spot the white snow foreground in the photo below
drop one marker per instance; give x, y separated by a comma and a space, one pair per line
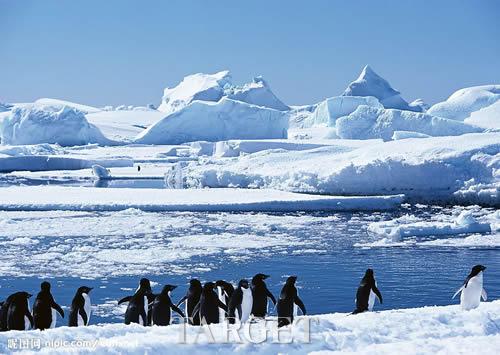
410, 226
372, 122
45, 198
478, 105
216, 121
34, 124
427, 330
430, 169
213, 87
370, 83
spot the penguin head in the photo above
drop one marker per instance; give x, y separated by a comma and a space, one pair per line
84, 289
167, 289
477, 269
291, 280
243, 283
145, 284
369, 273
220, 283
45, 286
22, 295
259, 278
209, 286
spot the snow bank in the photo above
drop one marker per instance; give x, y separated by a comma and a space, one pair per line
327, 112
464, 102
56, 105
100, 172
487, 117
236, 148
210, 121
409, 226
370, 83
410, 331
43, 198
369, 122
205, 87
35, 124
256, 93
431, 170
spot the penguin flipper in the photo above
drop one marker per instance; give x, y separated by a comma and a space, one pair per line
125, 299
458, 291
30, 318
484, 295
182, 300
299, 303
270, 295
178, 310
81, 312
377, 293
58, 309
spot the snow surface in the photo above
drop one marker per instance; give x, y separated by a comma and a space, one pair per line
256, 93
327, 112
407, 134
209, 121
57, 105
439, 330
429, 169
370, 83
370, 122
44, 198
34, 124
464, 102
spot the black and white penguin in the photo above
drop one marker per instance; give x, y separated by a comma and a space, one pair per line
79, 314
224, 291
45, 308
19, 315
161, 306
137, 309
241, 303
260, 294
192, 298
289, 298
4, 308
208, 307
472, 290
367, 292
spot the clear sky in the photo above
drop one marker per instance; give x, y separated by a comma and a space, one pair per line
102, 52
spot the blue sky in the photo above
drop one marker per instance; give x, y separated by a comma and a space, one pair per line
126, 52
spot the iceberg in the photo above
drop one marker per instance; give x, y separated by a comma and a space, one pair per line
328, 111
257, 93
370, 122
370, 83
465, 103
216, 121
57, 104
35, 124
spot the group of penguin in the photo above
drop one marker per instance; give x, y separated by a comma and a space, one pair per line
211, 303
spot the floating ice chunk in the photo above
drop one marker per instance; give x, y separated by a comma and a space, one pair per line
100, 172
369, 122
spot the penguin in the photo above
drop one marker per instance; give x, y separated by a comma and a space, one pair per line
79, 315
207, 309
137, 309
225, 291
45, 308
192, 298
240, 305
4, 307
18, 314
160, 307
288, 297
260, 295
367, 292
472, 290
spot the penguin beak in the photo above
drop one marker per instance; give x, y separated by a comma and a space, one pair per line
173, 287
266, 276
483, 268
29, 295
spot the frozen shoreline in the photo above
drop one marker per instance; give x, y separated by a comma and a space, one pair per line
446, 329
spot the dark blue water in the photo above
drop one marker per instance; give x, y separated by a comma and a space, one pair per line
412, 276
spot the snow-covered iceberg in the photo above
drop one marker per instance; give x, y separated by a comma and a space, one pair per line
216, 121
56, 104
371, 122
35, 124
204, 87
426, 330
478, 104
213, 87
370, 83
328, 111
